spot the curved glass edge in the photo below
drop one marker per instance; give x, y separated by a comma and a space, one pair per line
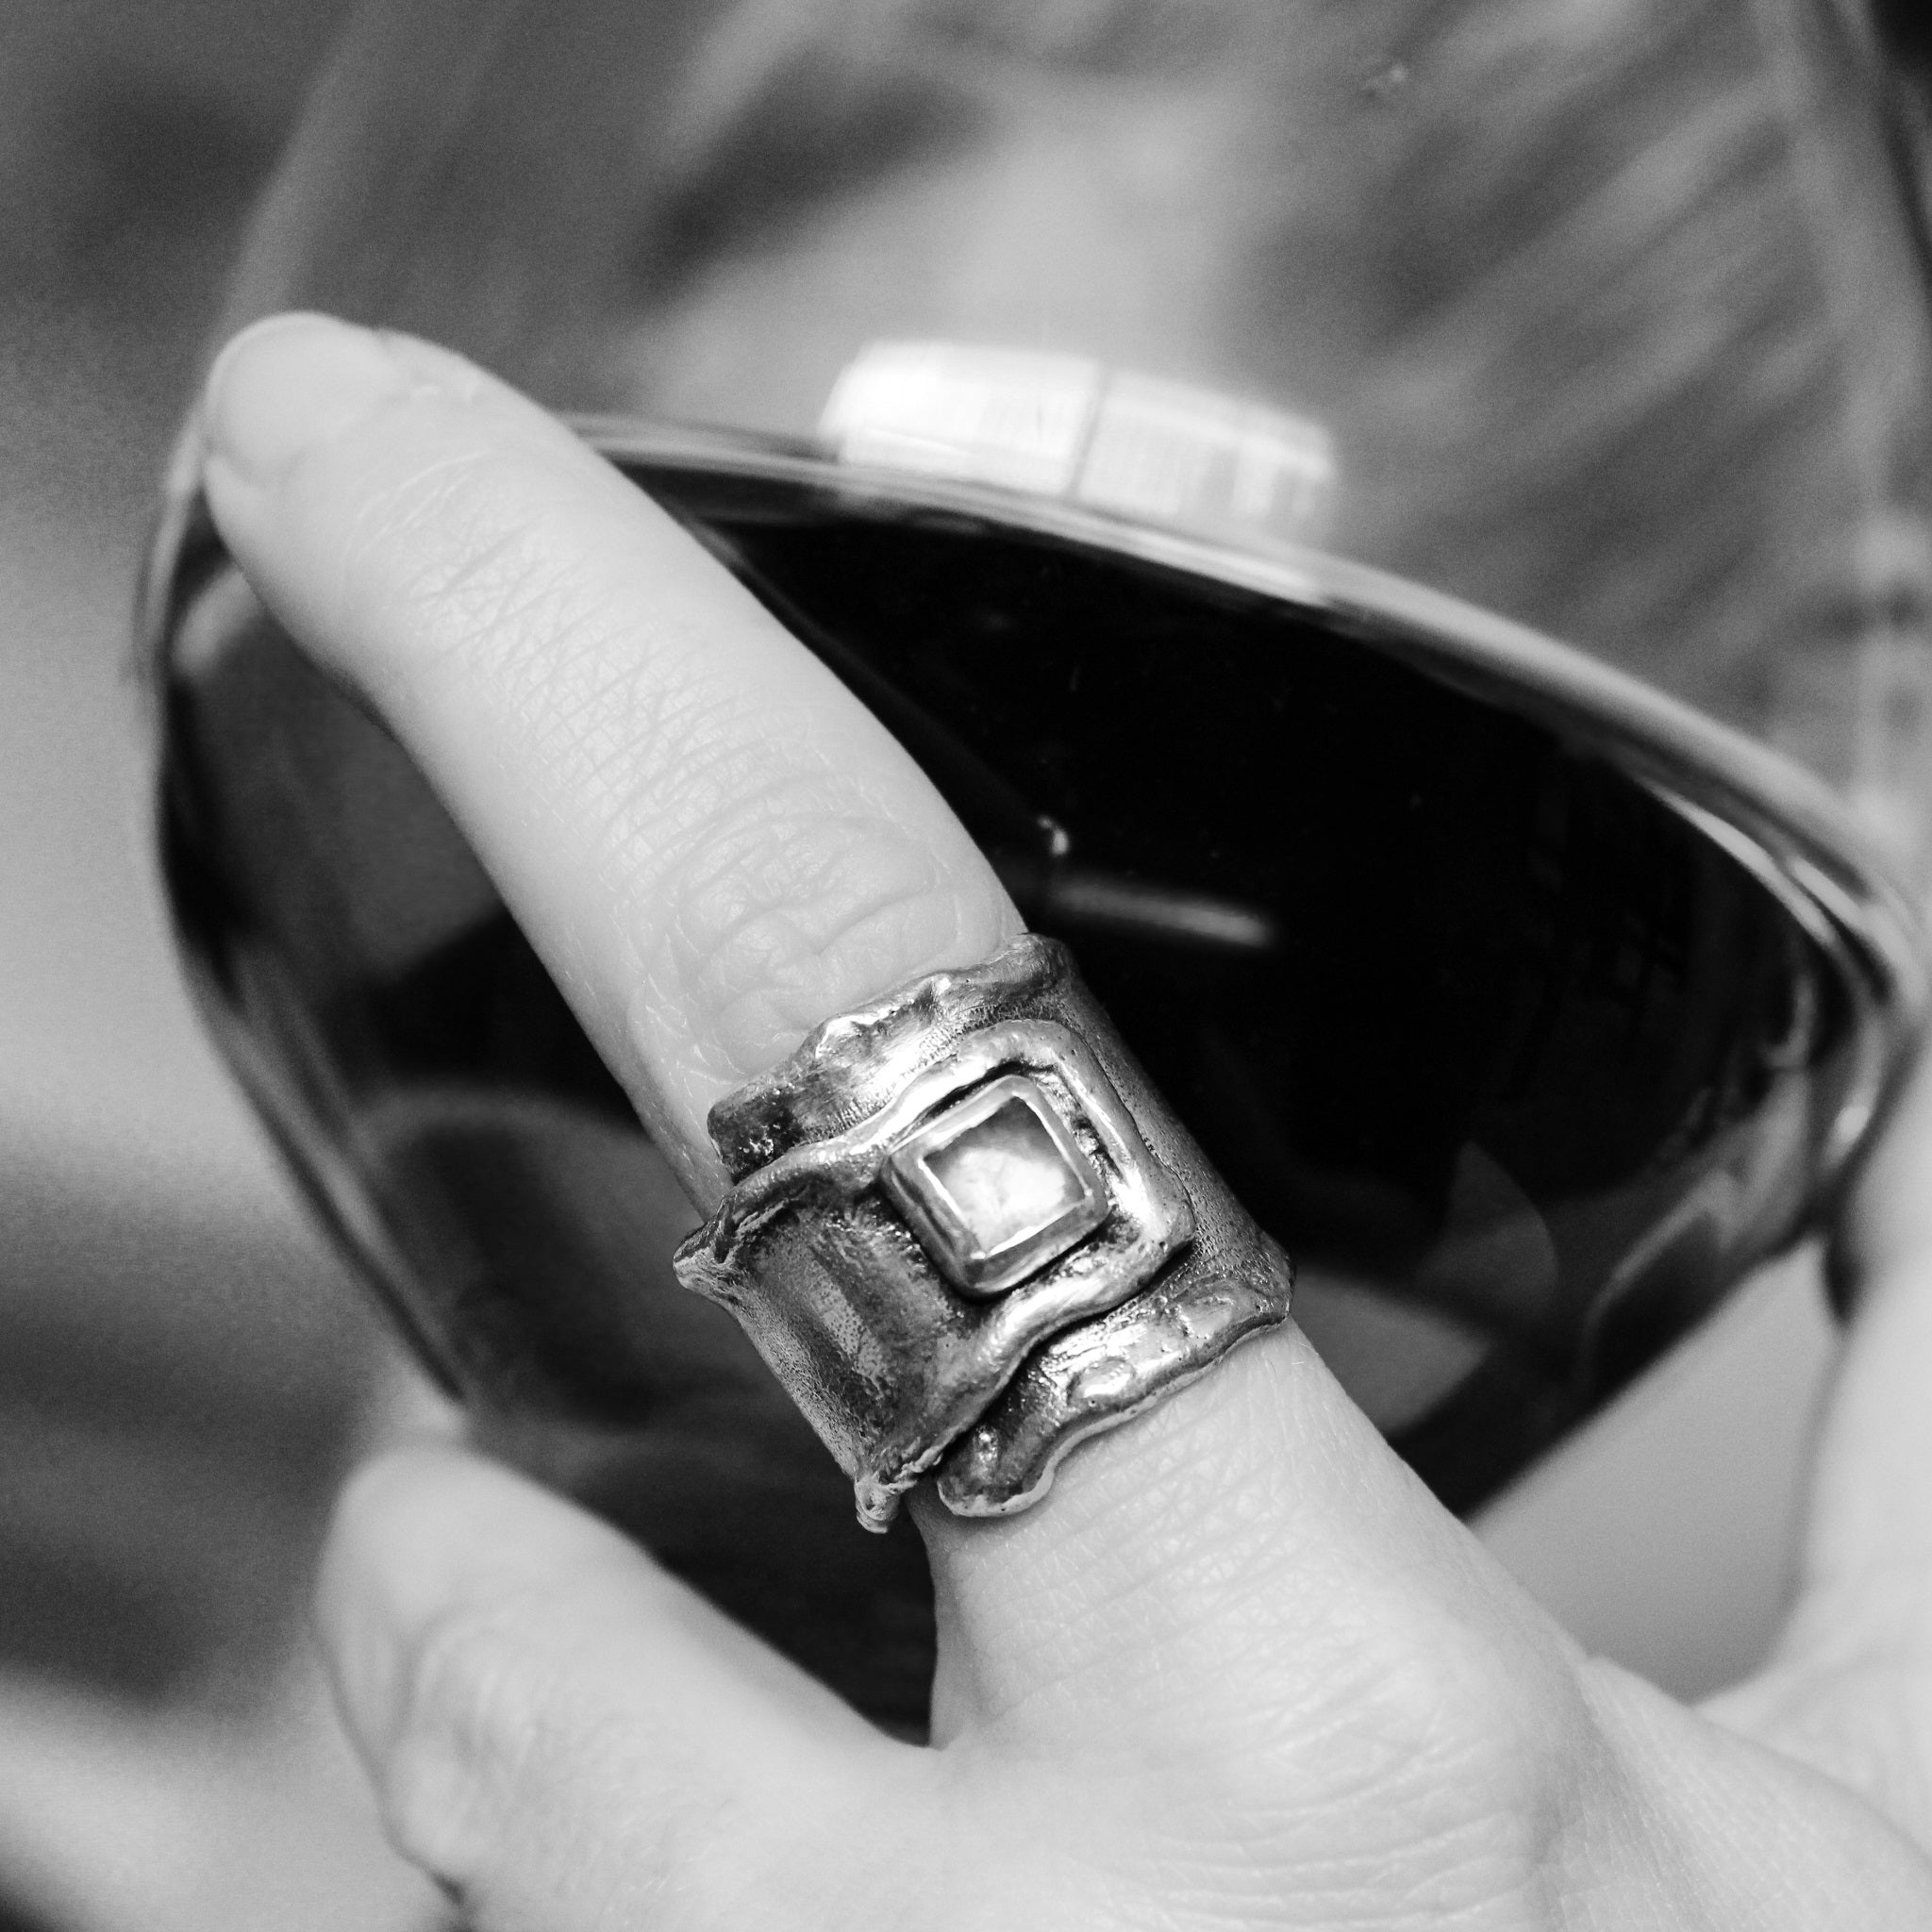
1668, 740
1508, 661
1784, 825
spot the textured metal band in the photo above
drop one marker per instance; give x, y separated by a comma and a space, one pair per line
966, 1233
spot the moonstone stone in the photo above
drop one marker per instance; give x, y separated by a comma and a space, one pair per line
1006, 1178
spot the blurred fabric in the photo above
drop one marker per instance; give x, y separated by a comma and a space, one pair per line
162, 1308
182, 1370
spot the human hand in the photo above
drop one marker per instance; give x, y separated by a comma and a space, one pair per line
1241, 1670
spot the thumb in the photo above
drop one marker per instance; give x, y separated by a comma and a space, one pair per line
548, 1719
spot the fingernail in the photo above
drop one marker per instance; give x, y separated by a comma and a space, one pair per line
290, 383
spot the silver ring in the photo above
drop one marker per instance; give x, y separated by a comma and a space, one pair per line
966, 1233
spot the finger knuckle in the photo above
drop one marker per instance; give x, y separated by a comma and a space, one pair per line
799, 903
471, 1712
1443, 1741
515, 1773
1448, 1694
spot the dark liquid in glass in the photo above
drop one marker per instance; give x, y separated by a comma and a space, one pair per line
1522, 1067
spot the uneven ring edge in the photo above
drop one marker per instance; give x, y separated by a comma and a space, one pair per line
854, 1283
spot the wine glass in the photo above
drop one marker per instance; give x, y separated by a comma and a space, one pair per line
1187, 425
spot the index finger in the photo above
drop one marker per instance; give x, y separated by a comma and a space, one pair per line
715, 847
712, 845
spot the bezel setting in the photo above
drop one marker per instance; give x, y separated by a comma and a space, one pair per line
962, 1250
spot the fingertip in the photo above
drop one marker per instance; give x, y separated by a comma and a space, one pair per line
289, 382
695, 822
430, 1543
545, 1716
297, 387
408, 1531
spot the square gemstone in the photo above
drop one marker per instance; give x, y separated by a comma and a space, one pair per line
996, 1186
1005, 1177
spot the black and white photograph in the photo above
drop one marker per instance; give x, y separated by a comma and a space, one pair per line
965, 966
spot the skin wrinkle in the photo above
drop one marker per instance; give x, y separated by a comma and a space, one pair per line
665, 666
1165, 1702
813, 875
644, 780
468, 1729
762, 945
653, 806
1460, 1870
598, 769
774, 832
1429, 1809
783, 908
432, 537
1410, 1751
386, 516
1137, 1578
1215, 1505
599, 709
503, 591
583, 707
640, 844
551, 681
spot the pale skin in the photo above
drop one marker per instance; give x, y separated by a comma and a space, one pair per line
1241, 1670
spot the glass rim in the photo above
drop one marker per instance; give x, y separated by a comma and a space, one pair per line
1783, 825
1697, 761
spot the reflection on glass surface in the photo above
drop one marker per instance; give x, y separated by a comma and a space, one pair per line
1611, 322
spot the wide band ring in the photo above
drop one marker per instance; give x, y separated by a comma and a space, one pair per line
965, 1233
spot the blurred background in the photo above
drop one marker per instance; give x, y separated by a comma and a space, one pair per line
184, 1371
